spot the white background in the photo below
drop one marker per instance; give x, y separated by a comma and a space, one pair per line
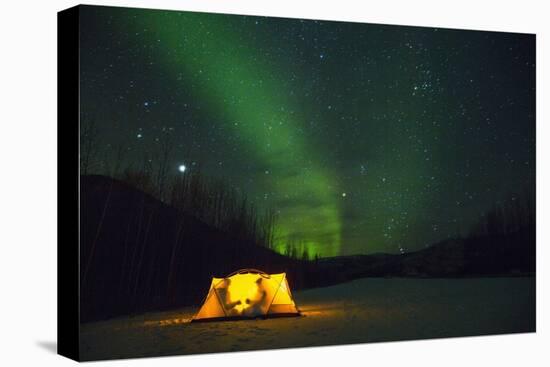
28, 167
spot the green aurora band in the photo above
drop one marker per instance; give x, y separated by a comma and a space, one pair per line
238, 86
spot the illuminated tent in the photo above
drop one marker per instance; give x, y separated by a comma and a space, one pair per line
247, 294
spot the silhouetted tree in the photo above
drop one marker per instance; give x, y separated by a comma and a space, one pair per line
305, 254
514, 214
88, 144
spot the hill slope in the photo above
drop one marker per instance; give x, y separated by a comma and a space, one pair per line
139, 254
498, 255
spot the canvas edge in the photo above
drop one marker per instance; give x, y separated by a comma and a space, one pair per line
68, 315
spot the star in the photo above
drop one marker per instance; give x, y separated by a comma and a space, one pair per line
322, 127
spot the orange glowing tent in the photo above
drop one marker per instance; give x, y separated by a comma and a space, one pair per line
247, 294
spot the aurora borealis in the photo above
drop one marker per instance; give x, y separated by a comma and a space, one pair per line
363, 138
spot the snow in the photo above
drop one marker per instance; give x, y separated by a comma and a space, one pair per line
365, 310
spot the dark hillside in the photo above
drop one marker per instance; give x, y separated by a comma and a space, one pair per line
138, 253
511, 254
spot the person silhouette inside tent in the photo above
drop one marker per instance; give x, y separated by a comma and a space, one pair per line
255, 305
225, 298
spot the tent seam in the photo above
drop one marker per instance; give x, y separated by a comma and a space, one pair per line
273, 299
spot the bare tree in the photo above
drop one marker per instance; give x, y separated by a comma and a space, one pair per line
88, 144
117, 163
514, 214
162, 166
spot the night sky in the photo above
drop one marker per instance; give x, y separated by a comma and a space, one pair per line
363, 138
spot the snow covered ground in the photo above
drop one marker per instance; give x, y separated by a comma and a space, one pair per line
365, 310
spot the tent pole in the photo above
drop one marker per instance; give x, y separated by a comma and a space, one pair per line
219, 300
278, 287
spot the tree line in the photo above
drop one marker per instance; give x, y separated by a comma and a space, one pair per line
208, 199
